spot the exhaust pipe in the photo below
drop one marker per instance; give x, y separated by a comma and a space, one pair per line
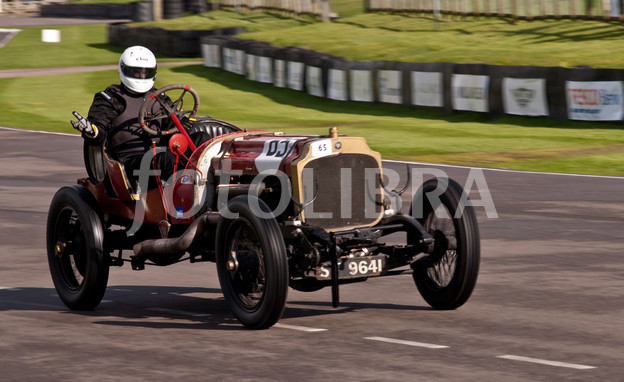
178, 244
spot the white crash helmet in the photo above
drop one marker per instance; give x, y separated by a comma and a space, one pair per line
137, 69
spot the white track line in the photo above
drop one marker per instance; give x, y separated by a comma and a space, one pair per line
546, 362
299, 328
40, 132
505, 170
403, 342
398, 161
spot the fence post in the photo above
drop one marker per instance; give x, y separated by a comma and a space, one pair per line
324, 11
543, 11
615, 8
158, 9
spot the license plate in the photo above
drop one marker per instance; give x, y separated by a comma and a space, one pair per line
353, 267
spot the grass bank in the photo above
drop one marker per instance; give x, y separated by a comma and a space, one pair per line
379, 37
397, 37
362, 37
83, 45
397, 132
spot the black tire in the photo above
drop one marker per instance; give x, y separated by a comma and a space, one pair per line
74, 241
172, 9
447, 276
255, 285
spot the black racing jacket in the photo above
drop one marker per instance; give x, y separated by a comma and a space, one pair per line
115, 112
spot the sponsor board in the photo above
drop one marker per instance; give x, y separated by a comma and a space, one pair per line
427, 89
470, 92
212, 55
314, 81
361, 85
337, 84
250, 62
234, 60
525, 96
594, 101
259, 68
279, 78
390, 86
265, 69
294, 75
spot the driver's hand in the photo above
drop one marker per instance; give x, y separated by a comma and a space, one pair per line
84, 126
187, 122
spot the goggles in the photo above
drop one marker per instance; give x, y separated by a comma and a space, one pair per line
138, 72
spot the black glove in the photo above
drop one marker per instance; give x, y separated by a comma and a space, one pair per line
187, 122
83, 125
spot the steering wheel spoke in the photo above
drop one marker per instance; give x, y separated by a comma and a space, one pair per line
155, 117
166, 108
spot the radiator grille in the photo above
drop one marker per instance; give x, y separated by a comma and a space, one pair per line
342, 191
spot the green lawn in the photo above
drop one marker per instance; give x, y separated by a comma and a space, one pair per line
397, 132
398, 37
85, 45
255, 21
363, 37
379, 37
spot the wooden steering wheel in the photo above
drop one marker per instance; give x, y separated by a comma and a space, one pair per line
149, 111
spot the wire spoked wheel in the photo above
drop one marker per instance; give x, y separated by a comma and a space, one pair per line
252, 264
75, 249
248, 276
442, 261
447, 276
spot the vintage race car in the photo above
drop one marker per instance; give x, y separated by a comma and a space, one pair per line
272, 210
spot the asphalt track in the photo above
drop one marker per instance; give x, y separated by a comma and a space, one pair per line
548, 306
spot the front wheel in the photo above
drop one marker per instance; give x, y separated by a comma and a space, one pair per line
447, 276
76, 257
252, 263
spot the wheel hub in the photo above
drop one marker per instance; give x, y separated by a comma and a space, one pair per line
232, 263
59, 249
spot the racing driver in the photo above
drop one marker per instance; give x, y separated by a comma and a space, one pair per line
113, 115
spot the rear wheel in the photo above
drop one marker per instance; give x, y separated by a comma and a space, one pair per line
447, 276
76, 257
252, 264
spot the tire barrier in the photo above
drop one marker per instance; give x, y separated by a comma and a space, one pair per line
142, 11
259, 62
89, 11
174, 43
135, 11
172, 9
197, 6
492, 90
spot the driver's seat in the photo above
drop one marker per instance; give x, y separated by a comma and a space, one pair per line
101, 169
94, 162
